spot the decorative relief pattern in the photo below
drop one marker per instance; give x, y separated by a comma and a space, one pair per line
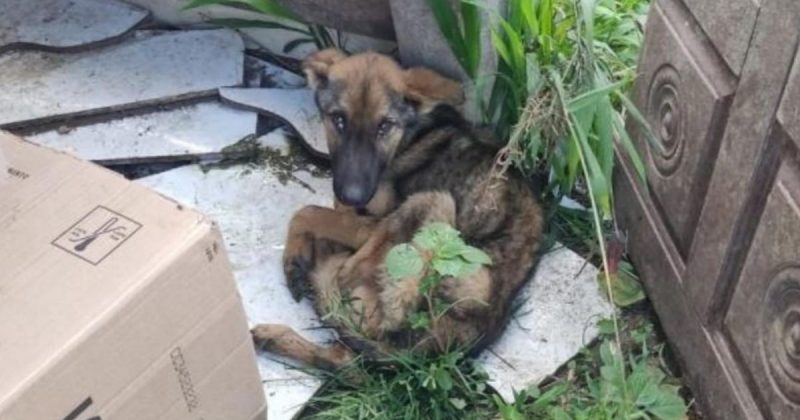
665, 114
780, 332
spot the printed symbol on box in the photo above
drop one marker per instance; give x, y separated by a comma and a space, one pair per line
97, 234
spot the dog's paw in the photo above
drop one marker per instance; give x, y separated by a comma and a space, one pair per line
298, 270
263, 337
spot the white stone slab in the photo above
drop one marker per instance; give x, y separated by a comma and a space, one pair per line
295, 106
253, 209
59, 24
560, 308
560, 305
200, 131
152, 68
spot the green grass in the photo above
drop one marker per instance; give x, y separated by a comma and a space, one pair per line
410, 387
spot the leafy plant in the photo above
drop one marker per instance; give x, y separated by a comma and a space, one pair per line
310, 33
436, 252
603, 384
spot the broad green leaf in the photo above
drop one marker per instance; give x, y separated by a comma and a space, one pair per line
669, 405
558, 413
455, 268
403, 262
443, 379
458, 403
435, 235
475, 255
627, 289
605, 327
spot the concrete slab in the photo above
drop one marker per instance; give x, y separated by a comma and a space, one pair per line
152, 68
64, 24
559, 310
197, 131
294, 106
253, 204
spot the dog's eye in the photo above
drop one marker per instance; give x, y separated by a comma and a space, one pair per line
338, 121
384, 127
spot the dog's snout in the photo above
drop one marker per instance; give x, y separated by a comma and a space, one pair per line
354, 195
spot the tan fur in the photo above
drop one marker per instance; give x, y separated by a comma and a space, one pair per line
434, 169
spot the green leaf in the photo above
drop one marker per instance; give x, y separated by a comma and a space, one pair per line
669, 405
455, 268
434, 236
475, 255
419, 321
605, 327
403, 262
443, 379
558, 413
458, 403
626, 288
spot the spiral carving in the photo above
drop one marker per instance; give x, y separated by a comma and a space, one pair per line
780, 333
666, 115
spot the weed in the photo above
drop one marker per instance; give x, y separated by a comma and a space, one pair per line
436, 252
602, 384
406, 387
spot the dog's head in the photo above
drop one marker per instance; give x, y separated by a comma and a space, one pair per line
368, 105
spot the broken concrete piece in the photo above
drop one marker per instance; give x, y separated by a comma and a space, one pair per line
197, 131
153, 68
295, 106
64, 24
559, 310
253, 205
262, 74
173, 12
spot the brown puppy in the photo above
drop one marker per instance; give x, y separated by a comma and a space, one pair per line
402, 157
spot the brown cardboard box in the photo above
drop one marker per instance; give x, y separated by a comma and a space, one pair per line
115, 302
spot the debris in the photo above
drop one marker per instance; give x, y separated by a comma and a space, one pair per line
294, 106
153, 68
193, 132
64, 24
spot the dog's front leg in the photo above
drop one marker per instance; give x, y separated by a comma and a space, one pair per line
313, 223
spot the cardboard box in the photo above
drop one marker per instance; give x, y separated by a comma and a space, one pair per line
115, 302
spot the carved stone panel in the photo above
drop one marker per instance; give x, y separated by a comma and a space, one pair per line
685, 99
729, 24
763, 320
789, 110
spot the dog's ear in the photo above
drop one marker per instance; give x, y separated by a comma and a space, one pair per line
426, 88
317, 65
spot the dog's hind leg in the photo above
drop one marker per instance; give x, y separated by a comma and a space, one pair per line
284, 341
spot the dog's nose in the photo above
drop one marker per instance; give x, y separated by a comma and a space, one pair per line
354, 195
